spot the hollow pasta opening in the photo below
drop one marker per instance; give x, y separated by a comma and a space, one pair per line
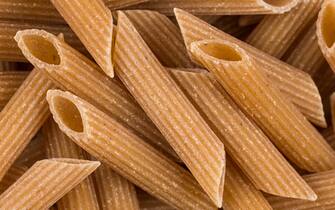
42, 49
221, 51
68, 113
328, 25
278, 3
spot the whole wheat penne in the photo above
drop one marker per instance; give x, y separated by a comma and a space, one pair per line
114, 192
22, 117
79, 75
297, 85
113, 144
244, 141
148, 202
162, 36
220, 7
117, 4
275, 33
10, 81
287, 128
46, 182
171, 111
247, 20
8, 47
239, 192
92, 21
57, 145
322, 183
325, 31
13, 174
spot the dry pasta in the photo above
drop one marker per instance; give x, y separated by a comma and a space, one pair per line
92, 21
110, 142
76, 73
287, 128
46, 182
57, 145
297, 86
170, 110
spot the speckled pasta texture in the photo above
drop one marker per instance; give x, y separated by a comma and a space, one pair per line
107, 140
170, 110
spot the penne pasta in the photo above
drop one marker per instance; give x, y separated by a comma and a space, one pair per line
13, 174
220, 7
117, 4
170, 110
276, 33
92, 21
22, 117
287, 128
325, 32
247, 20
296, 85
322, 183
46, 182
8, 47
76, 73
107, 140
10, 81
162, 36
239, 192
244, 141
57, 145
147, 202
114, 192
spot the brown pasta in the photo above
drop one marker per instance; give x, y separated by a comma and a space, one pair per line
22, 117
10, 81
220, 7
244, 141
114, 192
92, 21
162, 36
13, 174
276, 33
325, 32
244, 81
296, 85
322, 183
58, 145
46, 182
170, 110
76, 73
110, 142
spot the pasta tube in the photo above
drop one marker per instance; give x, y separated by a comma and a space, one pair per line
92, 21
46, 182
166, 105
244, 141
107, 140
276, 33
76, 73
114, 191
58, 145
22, 117
220, 7
296, 85
287, 128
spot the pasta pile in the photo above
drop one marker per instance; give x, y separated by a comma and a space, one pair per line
167, 104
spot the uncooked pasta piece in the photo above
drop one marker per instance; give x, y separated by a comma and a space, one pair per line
76, 73
107, 140
13, 174
244, 141
295, 84
10, 81
46, 182
22, 117
220, 7
114, 192
247, 84
170, 110
58, 145
322, 183
276, 33
92, 22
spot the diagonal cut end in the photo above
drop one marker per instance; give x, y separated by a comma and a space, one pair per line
279, 6
326, 24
